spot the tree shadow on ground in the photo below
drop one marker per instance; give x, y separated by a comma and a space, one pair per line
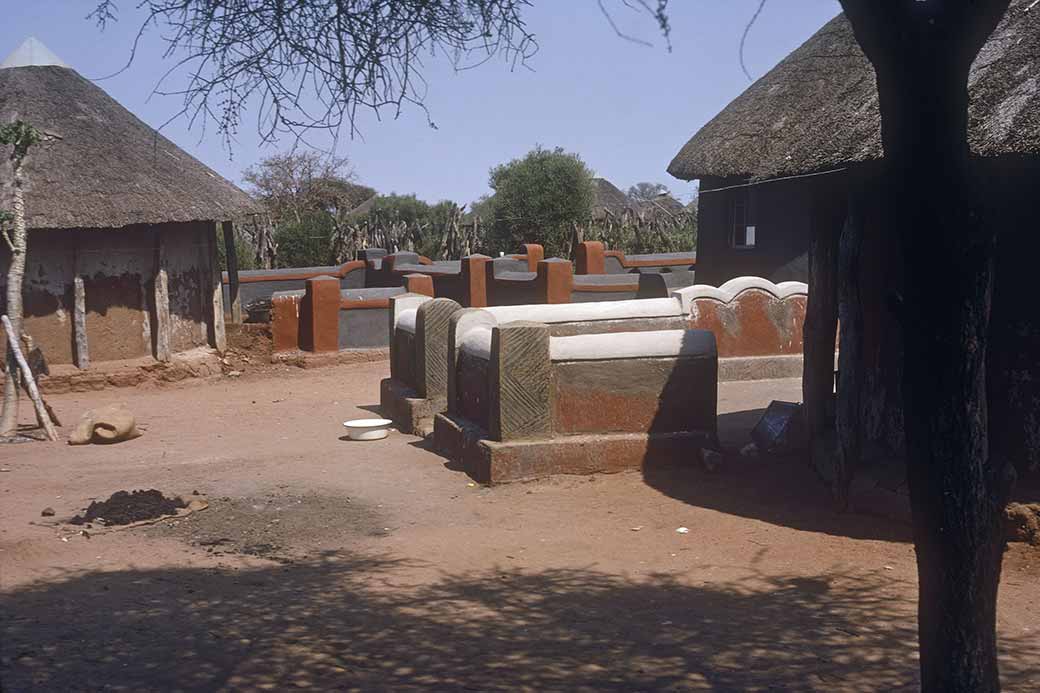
363, 622
779, 490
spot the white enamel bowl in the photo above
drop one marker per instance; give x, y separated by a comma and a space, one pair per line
368, 429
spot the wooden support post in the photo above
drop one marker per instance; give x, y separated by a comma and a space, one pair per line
42, 415
79, 310
161, 299
216, 294
821, 326
231, 254
848, 412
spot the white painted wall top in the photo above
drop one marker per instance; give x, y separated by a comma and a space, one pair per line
633, 345
582, 312
32, 53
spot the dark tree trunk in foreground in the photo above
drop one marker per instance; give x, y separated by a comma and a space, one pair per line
922, 53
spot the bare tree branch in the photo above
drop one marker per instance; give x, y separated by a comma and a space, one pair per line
315, 65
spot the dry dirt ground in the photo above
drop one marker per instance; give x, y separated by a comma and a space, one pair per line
327, 564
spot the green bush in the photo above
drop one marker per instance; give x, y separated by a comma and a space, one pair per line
307, 243
538, 199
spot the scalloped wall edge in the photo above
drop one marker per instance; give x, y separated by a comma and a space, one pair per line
734, 287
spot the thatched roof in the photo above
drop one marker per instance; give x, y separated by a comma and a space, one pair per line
818, 109
608, 199
108, 169
662, 204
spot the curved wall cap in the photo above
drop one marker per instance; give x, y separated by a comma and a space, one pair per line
734, 287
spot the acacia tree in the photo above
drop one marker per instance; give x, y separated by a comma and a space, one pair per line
645, 192
308, 196
364, 54
20, 136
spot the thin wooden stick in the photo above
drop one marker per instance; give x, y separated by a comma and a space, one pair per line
34, 394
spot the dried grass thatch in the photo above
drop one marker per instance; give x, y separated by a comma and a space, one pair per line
102, 167
608, 200
818, 108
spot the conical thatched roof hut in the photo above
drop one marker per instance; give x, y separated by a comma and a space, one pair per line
121, 222
818, 108
102, 167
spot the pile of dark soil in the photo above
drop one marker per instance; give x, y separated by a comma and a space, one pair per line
125, 507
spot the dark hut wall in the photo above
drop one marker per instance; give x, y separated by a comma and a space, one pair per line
1013, 367
118, 268
781, 213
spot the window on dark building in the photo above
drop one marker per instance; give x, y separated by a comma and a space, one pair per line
742, 219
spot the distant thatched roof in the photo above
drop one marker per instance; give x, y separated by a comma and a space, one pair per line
108, 169
818, 108
663, 204
608, 199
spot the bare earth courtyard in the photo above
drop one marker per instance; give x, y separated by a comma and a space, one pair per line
327, 564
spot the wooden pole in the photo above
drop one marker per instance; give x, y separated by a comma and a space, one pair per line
821, 325
42, 416
216, 291
162, 301
79, 309
850, 354
230, 252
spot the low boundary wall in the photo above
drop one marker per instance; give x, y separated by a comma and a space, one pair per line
591, 257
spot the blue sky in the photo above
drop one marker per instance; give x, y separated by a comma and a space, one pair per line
624, 107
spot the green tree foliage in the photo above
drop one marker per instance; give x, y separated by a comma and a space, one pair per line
644, 192
309, 198
244, 251
307, 242
538, 199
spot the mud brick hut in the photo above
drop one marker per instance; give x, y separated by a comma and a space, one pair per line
122, 259
778, 168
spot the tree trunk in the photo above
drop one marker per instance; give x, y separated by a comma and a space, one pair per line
957, 492
15, 275
922, 55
